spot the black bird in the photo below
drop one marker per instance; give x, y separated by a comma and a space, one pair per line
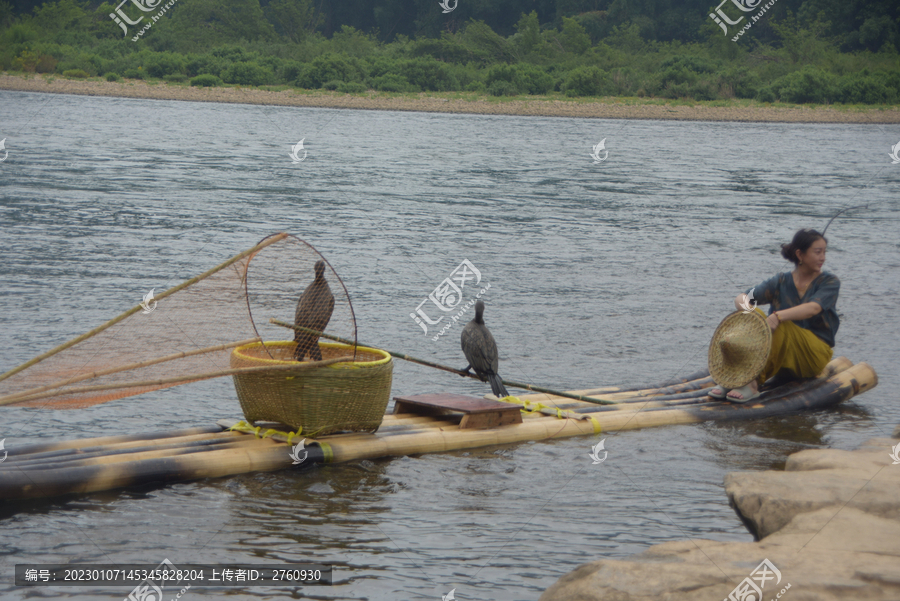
480, 349
314, 311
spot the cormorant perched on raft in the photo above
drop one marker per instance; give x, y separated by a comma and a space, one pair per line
480, 349
314, 312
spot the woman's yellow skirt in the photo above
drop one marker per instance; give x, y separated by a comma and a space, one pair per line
796, 350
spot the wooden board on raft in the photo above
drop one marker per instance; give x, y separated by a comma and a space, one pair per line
96, 464
477, 414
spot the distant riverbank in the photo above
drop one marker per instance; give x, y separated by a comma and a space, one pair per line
461, 102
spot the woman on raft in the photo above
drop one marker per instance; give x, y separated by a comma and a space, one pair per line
802, 316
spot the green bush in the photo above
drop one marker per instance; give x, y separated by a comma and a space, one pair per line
175, 77
809, 85
429, 74
160, 64
290, 71
445, 49
766, 94
111, 77
330, 67
867, 90
247, 74
34, 62
686, 77
331, 85
587, 81
351, 87
625, 82
527, 79
743, 83
79, 73
133, 74
691, 63
234, 54
502, 88
206, 80
393, 83
205, 63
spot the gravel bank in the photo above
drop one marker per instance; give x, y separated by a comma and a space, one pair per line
451, 103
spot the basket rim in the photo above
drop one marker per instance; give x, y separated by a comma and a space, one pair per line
386, 357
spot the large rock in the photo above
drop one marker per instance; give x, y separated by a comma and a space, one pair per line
813, 479
823, 555
830, 525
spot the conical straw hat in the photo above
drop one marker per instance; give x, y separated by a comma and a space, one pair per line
739, 349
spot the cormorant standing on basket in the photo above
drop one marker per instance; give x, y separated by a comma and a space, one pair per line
480, 349
313, 311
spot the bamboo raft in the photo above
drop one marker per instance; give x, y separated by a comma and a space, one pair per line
98, 464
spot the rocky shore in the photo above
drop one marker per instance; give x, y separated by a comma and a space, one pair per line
829, 526
452, 102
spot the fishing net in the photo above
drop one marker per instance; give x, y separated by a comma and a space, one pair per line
188, 333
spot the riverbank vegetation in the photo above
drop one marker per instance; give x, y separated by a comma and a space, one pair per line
798, 52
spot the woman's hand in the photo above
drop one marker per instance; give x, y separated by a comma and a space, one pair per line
741, 302
773, 321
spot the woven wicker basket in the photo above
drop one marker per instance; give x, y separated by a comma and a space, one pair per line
348, 396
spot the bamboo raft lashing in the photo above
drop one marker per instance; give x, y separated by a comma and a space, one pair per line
91, 465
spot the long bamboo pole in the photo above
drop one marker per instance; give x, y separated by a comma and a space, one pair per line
18, 458
185, 379
126, 454
266, 455
406, 357
266, 242
77, 443
10, 398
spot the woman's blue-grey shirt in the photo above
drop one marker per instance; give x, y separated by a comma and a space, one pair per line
780, 292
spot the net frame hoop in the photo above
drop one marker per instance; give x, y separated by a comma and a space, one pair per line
281, 236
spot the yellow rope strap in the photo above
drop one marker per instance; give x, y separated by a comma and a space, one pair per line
243, 426
560, 414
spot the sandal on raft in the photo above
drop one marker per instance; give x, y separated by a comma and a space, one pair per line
718, 395
744, 391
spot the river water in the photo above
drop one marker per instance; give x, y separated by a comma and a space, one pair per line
601, 273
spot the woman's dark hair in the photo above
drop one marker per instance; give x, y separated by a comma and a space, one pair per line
803, 239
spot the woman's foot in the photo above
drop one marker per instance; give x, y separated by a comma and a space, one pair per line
744, 393
718, 392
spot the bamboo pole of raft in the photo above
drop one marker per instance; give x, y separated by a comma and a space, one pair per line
696, 400
115, 458
265, 455
836, 365
77, 443
406, 357
38, 459
266, 242
183, 379
10, 398
788, 390
628, 396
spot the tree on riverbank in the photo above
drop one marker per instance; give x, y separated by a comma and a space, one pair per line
797, 51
